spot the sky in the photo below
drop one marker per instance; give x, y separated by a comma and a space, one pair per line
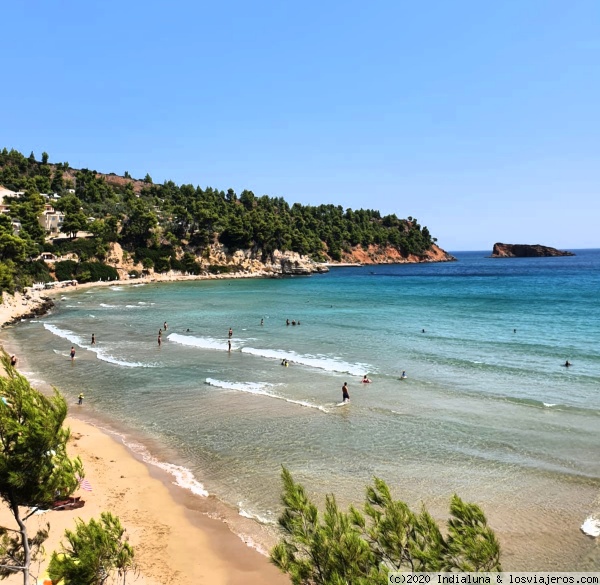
480, 119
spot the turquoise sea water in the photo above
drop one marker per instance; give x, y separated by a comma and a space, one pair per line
487, 411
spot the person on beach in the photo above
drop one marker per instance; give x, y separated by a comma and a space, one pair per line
80, 399
345, 395
230, 332
13, 361
93, 339
72, 353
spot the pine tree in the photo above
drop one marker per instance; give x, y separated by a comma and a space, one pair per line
93, 552
357, 548
34, 465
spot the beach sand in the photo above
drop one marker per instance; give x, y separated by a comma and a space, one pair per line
173, 541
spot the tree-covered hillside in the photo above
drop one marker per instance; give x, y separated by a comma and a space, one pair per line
170, 226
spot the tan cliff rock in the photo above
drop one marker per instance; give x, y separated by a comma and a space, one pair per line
278, 263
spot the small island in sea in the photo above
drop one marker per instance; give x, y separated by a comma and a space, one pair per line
525, 251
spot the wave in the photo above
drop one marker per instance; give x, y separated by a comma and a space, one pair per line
115, 288
184, 478
259, 389
253, 516
64, 333
321, 362
133, 307
101, 355
591, 526
107, 306
201, 342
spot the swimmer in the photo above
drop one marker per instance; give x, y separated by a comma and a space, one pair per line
422, 330
159, 337
262, 321
72, 353
287, 321
230, 332
345, 395
403, 376
366, 380
568, 364
93, 339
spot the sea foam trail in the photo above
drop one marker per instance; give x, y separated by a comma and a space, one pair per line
184, 478
64, 333
201, 342
259, 389
100, 353
321, 362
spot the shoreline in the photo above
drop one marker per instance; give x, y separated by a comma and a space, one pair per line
176, 541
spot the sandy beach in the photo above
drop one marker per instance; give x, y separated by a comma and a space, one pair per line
174, 543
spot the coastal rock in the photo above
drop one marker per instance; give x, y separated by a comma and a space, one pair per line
525, 251
390, 255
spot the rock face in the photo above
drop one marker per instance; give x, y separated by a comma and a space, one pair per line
525, 251
251, 262
391, 255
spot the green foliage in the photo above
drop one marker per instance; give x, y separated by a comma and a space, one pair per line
190, 218
93, 552
360, 548
84, 271
34, 464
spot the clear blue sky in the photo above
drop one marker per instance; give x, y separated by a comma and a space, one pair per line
479, 118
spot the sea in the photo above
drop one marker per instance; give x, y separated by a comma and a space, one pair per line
487, 409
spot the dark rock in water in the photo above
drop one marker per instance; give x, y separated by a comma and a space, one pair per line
525, 251
36, 311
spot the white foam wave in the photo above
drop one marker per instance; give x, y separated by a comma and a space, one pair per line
591, 526
64, 333
549, 404
107, 306
115, 288
259, 389
322, 362
92, 316
102, 355
133, 307
254, 516
184, 478
201, 342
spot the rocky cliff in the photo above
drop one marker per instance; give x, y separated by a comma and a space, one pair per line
248, 262
525, 251
390, 255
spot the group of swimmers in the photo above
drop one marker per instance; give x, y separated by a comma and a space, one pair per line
287, 322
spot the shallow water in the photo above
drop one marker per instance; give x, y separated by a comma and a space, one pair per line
486, 411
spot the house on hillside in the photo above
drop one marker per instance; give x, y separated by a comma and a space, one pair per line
52, 220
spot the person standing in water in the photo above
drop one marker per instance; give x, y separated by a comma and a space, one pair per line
159, 337
345, 395
165, 326
13, 361
229, 345
80, 400
230, 332
72, 353
93, 339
